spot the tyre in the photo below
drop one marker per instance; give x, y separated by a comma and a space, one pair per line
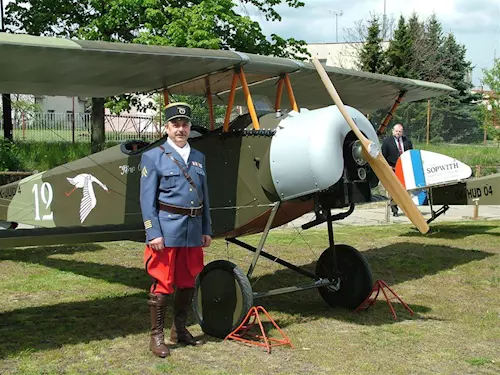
355, 277
223, 297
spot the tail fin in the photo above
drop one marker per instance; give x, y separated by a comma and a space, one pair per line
418, 170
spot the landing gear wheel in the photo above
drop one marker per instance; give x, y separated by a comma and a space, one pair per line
223, 296
355, 277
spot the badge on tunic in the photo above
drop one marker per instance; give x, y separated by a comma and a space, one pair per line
148, 224
144, 172
196, 164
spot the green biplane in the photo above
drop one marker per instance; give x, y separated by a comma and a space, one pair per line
266, 167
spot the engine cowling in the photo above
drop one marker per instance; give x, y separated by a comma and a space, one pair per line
306, 153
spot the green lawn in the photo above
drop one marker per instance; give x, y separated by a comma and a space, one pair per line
82, 309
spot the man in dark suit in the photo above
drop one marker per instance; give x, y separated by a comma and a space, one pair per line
393, 146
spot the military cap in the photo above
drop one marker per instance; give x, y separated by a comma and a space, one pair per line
176, 110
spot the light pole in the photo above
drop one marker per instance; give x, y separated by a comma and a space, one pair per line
384, 25
2, 29
337, 14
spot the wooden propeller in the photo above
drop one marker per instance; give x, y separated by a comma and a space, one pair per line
376, 160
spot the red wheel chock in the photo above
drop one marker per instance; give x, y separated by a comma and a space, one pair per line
243, 334
370, 300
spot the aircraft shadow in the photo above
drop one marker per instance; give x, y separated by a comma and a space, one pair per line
394, 264
129, 276
450, 231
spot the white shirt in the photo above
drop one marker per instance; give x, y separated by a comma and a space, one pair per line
183, 151
402, 144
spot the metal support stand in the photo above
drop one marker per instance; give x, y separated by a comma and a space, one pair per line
263, 238
370, 300
244, 332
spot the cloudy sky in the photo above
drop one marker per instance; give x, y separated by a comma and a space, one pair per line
475, 23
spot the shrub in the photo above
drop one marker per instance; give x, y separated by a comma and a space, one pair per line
9, 156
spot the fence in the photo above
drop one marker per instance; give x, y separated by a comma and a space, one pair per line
76, 127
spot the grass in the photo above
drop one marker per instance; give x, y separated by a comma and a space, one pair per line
472, 155
82, 309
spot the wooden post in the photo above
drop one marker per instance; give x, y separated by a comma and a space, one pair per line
388, 207
428, 119
73, 123
485, 135
475, 214
24, 126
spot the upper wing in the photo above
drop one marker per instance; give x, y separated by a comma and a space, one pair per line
53, 66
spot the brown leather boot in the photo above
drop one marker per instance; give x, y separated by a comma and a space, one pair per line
157, 304
182, 303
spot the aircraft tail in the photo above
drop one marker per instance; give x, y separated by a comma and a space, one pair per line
419, 170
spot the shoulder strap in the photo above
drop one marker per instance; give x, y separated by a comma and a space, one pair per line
186, 175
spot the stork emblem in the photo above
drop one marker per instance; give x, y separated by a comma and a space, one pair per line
89, 201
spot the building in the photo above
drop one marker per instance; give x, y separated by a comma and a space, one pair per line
341, 55
61, 104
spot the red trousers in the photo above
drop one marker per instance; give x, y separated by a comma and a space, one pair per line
173, 266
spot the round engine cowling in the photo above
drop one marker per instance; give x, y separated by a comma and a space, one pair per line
306, 151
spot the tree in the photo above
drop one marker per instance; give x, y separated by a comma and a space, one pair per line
210, 24
398, 53
490, 111
371, 56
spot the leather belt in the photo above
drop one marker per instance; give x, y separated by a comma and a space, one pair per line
192, 211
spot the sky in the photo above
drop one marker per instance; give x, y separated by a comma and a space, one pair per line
474, 23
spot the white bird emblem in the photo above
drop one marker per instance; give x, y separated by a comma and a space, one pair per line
89, 200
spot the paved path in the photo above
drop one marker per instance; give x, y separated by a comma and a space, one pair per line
375, 214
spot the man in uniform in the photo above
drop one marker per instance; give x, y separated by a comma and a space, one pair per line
392, 147
176, 213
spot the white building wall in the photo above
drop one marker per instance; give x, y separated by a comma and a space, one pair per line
341, 55
60, 104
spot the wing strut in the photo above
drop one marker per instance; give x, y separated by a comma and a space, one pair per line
389, 115
240, 74
285, 80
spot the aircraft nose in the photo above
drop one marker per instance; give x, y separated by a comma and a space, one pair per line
316, 161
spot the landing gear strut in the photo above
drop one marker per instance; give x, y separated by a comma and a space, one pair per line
223, 293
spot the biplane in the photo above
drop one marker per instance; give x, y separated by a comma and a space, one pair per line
265, 168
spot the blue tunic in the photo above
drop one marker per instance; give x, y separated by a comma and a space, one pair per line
162, 180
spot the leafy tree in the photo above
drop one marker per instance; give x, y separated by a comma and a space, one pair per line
210, 24
490, 111
371, 56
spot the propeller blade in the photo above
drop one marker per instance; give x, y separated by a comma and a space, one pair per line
375, 158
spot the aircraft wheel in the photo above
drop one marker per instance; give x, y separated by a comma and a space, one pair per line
355, 277
223, 296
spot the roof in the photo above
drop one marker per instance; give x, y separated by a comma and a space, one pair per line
54, 66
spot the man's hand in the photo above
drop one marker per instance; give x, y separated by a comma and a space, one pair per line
206, 240
156, 244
